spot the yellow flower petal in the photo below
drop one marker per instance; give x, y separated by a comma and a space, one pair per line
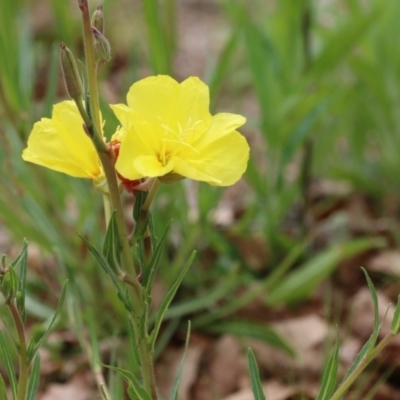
151, 167
223, 160
160, 99
169, 130
61, 144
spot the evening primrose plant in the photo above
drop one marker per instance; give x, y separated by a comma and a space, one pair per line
166, 134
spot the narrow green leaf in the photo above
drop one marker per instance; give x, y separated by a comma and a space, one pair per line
34, 378
205, 300
302, 281
3, 393
134, 341
139, 201
330, 374
7, 359
150, 271
137, 389
160, 58
167, 301
174, 393
9, 284
94, 343
264, 63
303, 130
374, 296
33, 351
341, 42
359, 357
104, 264
103, 392
255, 377
112, 245
254, 331
395, 327
221, 69
22, 261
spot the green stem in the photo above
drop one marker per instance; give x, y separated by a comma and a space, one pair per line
106, 156
22, 353
150, 196
344, 387
90, 61
107, 208
107, 161
144, 214
146, 360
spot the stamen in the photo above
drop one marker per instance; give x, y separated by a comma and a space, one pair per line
179, 138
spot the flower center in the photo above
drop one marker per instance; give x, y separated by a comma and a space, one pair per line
175, 141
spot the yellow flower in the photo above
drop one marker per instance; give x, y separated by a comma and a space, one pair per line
61, 144
169, 133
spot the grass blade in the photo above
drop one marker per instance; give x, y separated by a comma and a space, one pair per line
254, 331
34, 377
374, 296
300, 283
35, 348
174, 394
330, 374
167, 301
255, 377
3, 393
9, 365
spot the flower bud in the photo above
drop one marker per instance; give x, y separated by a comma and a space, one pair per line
102, 48
8, 283
98, 19
71, 76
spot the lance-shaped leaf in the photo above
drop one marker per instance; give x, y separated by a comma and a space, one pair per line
255, 377
22, 261
375, 331
123, 296
174, 394
3, 393
150, 271
34, 376
112, 245
252, 330
135, 390
33, 348
7, 360
167, 301
330, 374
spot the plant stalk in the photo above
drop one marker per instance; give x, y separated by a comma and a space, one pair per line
344, 387
90, 61
22, 352
106, 156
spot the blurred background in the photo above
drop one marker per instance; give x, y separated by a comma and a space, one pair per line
279, 253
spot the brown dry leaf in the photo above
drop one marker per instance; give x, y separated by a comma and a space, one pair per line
225, 366
360, 217
306, 335
387, 262
275, 390
77, 388
167, 369
363, 320
348, 351
363, 313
